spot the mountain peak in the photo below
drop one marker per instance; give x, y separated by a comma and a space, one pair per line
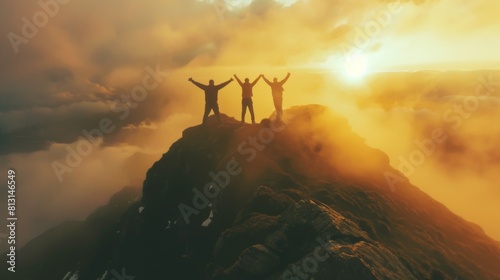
305, 198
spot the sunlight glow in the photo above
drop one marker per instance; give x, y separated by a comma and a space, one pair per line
356, 66
286, 3
232, 5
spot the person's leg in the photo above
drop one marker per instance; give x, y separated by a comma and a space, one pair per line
243, 109
278, 104
275, 104
250, 107
216, 111
208, 108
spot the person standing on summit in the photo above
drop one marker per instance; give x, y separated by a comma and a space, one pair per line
277, 91
211, 97
247, 93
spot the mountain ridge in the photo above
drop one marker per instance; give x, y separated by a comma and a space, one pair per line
313, 187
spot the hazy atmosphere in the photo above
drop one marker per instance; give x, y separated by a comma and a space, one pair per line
94, 92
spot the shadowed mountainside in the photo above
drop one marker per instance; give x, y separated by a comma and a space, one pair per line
306, 199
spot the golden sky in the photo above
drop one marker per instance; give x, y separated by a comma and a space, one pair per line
357, 57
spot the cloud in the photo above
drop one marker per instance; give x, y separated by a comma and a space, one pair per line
80, 58
461, 171
67, 78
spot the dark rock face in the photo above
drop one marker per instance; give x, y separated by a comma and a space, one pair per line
306, 199
316, 242
70, 246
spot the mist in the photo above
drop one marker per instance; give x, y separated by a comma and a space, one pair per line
90, 56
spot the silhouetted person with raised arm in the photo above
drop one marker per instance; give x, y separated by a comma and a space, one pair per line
277, 91
211, 96
246, 94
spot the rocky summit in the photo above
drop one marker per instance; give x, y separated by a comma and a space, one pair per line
305, 198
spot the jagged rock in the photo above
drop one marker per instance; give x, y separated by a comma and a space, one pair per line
234, 240
258, 260
331, 246
362, 260
323, 185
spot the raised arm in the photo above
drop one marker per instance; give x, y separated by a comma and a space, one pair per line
238, 80
224, 84
285, 79
256, 80
266, 80
202, 86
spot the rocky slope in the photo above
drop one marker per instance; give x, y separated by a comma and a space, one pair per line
307, 199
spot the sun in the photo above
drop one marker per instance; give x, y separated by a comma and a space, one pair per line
356, 66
